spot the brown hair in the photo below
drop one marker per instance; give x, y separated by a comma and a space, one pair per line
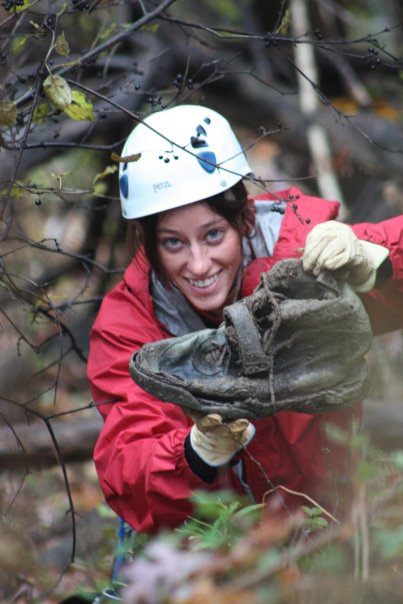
232, 204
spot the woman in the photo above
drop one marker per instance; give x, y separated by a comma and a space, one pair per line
200, 243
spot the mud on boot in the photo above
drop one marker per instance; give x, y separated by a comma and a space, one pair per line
297, 343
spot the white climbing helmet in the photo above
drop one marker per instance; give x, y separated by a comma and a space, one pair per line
186, 153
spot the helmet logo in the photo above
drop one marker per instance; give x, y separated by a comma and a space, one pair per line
206, 159
161, 185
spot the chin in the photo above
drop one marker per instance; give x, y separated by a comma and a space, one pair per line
212, 308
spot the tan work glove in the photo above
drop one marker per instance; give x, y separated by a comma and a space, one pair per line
216, 442
332, 245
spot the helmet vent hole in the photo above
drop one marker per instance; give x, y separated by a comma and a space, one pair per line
124, 185
197, 142
207, 160
200, 130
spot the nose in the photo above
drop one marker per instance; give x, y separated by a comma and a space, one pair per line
199, 261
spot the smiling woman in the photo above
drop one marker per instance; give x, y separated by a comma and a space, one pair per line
201, 253
199, 244
233, 205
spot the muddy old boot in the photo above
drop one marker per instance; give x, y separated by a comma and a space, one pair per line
298, 342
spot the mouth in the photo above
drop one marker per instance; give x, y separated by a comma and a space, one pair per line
204, 283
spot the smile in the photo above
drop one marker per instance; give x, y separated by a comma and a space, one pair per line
202, 283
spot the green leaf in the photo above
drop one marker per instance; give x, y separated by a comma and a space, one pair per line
80, 108
41, 112
108, 170
105, 511
64, 7
150, 27
24, 5
312, 512
17, 44
226, 9
336, 434
15, 193
61, 45
389, 541
318, 523
58, 91
8, 113
249, 510
285, 23
211, 505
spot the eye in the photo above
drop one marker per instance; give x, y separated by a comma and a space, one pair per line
171, 243
214, 235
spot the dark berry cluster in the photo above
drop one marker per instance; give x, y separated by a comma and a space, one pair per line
180, 82
270, 40
42, 70
49, 22
154, 101
373, 58
277, 208
80, 5
9, 4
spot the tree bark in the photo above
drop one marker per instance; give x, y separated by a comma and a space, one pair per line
31, 446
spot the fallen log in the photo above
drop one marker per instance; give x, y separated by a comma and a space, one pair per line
383, 421
31, 446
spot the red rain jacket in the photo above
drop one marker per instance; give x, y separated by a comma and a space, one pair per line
139, 455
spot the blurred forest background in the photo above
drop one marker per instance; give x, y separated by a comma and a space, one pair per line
314, 91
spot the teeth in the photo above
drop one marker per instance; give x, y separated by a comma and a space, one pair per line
204, 282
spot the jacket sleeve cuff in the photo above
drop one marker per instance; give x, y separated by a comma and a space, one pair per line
202, 469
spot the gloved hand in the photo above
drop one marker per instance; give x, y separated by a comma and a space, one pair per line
216, 442
332, 245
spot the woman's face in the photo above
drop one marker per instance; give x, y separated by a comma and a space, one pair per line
201, 254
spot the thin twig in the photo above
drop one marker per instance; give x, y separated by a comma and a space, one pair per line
304, 496
24, 140
112, 41
62, 465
